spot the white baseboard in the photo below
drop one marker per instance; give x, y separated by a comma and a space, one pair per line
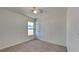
6, 46
53, 42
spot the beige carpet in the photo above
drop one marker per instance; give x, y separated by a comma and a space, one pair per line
35, 46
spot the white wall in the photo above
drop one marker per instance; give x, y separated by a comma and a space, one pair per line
73, 29
12, 29
52, 26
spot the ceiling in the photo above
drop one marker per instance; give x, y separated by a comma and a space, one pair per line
27, 10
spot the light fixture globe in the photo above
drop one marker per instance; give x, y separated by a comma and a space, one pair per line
36, 10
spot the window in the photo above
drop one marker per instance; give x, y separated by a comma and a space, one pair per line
30, 28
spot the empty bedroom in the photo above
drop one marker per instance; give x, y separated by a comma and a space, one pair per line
37, 29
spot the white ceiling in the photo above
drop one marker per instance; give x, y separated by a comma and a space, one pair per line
27, 10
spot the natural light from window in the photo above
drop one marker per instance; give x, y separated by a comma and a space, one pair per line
30, 28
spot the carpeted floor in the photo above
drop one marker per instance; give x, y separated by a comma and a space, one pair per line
35, 46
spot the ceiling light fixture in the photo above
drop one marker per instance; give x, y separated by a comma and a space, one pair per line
36, 10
